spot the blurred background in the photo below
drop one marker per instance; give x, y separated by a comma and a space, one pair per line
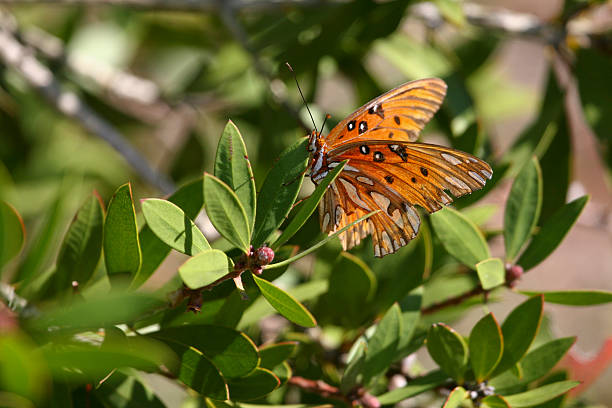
99, 92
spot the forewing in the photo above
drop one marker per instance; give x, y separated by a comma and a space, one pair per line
398, 115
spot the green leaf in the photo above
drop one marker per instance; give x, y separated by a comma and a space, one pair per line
173, 227
536, 364
82, 246
574, 297
345, 302
452, 10
556, 164
231, 352
232, 166
256, 385
82, 361
411, 313
414, 387
455, 398
460, 237
262, 308
353, 374
12, 233
205, 268
121, 247
273, 358
382, 345
91, 314
518, 330
539, 361
522, 208
319, 244
279, 191
486, 347
276, 353
494, 401
285, 304
190, 198
22, 368
491, 273
541, 394
590, 70
307, 207
226, 212
552, 233
448, 349
43, 244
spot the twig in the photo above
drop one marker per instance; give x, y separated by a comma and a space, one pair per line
358, 397
136, 95
513, 274
15, 55
453, 301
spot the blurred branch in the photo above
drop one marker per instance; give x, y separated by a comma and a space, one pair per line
16, 55
507, 21
276, 86
137, 96
193, 5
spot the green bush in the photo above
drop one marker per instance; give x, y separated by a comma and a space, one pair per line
80, 324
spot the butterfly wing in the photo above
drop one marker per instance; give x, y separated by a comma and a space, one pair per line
398, 115
393, 177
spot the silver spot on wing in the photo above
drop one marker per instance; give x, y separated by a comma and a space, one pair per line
477, 177
451, 159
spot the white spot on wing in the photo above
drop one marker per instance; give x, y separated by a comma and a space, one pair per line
387, 240
350, 168
332, 165
365, 180
382, 201
397, 218
402, 241
451, 159
477, 177
457, 183
339, 214
325, 221
353, 194
413, 218
377, 250
487, 174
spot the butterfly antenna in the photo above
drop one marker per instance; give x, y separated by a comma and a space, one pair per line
325, 120
302, 95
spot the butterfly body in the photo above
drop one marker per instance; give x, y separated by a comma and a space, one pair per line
387, 170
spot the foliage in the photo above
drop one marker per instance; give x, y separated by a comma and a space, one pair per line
80, 324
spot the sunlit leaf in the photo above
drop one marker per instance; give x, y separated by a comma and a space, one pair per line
286, 304
226, 212
173, 227
522, 208
232, 166
486, 346
460, 237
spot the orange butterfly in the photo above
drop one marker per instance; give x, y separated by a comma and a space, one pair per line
387, 170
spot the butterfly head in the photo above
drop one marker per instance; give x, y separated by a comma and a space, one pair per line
314, 141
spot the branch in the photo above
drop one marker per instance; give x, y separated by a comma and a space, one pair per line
507, 21
513, 274
16, 56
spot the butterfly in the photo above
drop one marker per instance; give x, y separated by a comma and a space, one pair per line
388, 170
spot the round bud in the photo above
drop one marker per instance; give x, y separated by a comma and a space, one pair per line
264, 255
